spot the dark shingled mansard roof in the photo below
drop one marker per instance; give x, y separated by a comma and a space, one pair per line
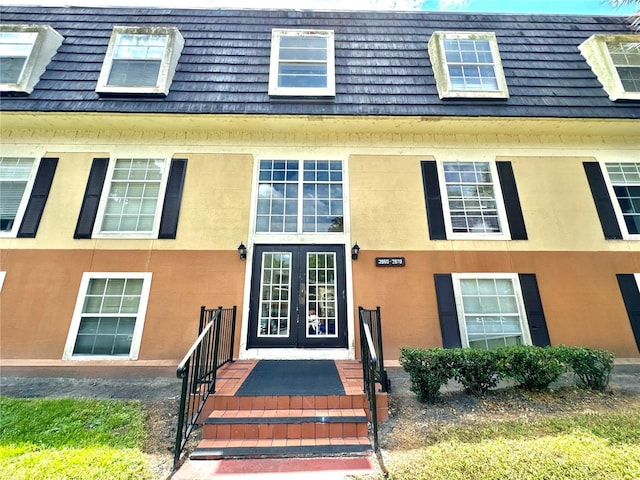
382, 63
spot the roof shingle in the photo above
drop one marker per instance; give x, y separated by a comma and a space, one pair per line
382, 63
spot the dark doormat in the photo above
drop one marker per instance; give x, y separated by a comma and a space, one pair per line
293, 377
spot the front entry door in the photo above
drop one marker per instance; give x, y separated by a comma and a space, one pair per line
298, 297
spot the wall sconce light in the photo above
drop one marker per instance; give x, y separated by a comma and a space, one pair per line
354, 251
242, 251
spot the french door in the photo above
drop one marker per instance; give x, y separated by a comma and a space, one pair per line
298, 297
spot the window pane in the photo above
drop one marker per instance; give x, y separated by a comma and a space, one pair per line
321, 189
134, 73
625, 178
626, 59
490, 312
470, 64
104, 332
303, 61
273, 318
133, 199
11, 69
14, 176
15, 48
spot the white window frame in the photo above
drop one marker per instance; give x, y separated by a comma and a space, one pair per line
637, 277
275, 90
614, 201
597, 55
299, 234
43, 50
2, 277
515, 280
441, 71
504, 234
140, 317
26, 195
168, 64
97, 227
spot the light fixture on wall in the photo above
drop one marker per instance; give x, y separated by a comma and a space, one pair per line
354, 251
242, 251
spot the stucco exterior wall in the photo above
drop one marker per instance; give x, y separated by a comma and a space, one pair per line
574, 264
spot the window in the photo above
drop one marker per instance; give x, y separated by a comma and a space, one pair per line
491, 310
130, 201
472, 200
16, 179
140, 60
2, 277
467, 65
109, 316
132, 198
25, 52
300, 196
615, 60
302, 63
624, 179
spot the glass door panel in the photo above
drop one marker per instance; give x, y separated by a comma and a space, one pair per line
298, 297
275, 311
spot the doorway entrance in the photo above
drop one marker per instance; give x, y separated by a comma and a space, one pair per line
298, 297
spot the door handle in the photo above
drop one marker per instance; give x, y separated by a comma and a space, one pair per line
301, 294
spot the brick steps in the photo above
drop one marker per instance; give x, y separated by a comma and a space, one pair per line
210, 449
283, 426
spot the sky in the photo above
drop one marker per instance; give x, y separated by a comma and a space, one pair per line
579, 7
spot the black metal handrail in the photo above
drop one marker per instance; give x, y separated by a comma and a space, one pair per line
198, 369
374, 320
369, 367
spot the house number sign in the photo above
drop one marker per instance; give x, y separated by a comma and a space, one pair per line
390, 262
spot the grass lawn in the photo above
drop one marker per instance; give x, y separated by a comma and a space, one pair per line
64, 438
586, 446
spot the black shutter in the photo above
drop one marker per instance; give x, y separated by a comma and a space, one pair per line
447, 311
172, 198
433, 200
602, 200
511, 201
91, 200
535, 313
38, 199
631, 297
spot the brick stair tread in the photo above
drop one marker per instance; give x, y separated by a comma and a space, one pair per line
286, 416
213, 449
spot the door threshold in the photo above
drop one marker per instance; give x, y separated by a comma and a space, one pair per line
297, 354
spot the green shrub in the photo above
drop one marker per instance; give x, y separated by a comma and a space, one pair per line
593, 367
534, 368
428, 370
476, 370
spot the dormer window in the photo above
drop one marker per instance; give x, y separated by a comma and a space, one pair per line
467, 65
140, 60
302, 63
25, 52
615, 59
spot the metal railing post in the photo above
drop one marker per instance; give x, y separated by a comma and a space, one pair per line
233, 333
183, 400
198, 368
216, 347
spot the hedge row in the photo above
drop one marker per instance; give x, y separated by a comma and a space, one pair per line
533, 368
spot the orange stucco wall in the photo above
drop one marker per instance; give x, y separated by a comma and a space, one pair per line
41, 288
579, 292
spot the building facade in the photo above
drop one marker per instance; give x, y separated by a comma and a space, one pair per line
487, 167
